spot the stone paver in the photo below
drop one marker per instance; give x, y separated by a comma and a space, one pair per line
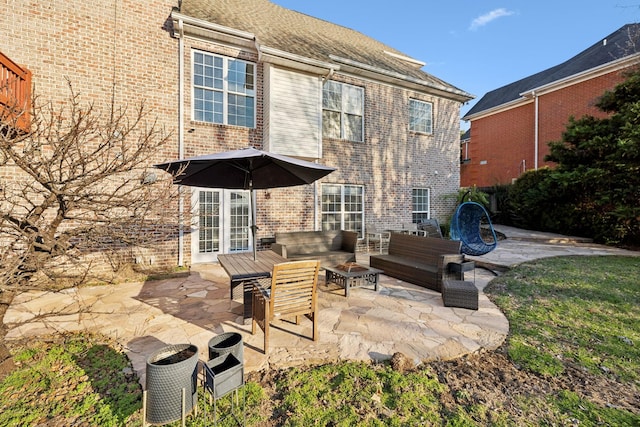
368, 325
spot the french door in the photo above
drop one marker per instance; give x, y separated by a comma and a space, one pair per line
221, 220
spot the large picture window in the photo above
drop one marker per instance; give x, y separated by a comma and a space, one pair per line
420, 116
420, 204
223, 90
343, 208
342, 111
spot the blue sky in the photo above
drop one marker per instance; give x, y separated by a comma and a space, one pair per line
479, 45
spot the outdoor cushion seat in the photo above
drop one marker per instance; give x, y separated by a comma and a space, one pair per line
460, 293
331, 247
424, 261
401, 268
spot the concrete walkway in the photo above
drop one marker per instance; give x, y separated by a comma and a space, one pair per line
368, 325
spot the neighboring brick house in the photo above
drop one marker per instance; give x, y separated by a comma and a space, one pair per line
226, 74
511, 126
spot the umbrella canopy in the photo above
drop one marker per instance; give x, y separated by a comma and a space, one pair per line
246, 169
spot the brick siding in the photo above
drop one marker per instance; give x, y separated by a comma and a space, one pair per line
505, 140
125, 47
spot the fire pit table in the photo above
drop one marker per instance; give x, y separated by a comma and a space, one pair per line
352, 275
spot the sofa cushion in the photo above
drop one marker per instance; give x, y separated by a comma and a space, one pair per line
405, 262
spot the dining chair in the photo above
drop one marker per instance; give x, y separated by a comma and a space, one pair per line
289, 292
375, 236
412, 228
431, 227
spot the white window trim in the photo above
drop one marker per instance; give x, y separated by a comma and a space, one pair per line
225, 89
342, 206
430, 130
428, 211
343, 113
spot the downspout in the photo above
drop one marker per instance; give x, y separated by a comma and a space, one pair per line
535, 130
181, 138
328, 76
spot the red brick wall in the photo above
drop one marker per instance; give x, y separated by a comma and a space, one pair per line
499, 145
506, 138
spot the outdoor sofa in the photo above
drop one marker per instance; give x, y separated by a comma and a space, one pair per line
331, 247
424, 261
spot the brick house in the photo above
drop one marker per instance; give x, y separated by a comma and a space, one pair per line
227, 74
511, 126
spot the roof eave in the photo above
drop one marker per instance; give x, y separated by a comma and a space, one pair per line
607, 68
498, 108
202, 29
527, 95
377, 73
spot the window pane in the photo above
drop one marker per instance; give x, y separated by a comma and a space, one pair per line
239, 221
240, 77
353, 99
332, 96
420, 116
353, 128
330, 124
331, 198
209, 222
207, 105
240, 110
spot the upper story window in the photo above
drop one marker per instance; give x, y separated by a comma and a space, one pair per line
223, 90
420, 116
342, 111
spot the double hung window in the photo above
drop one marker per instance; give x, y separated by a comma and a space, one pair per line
343, 207
420, 116
342, 111
420, 204
223, 90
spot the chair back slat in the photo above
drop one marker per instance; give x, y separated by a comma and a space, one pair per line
293, 287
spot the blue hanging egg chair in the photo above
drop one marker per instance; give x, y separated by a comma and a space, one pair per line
465, 227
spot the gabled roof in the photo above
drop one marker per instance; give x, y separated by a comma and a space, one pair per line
615, 46
303, 35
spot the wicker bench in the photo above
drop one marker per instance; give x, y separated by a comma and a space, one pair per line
459, 293
329, 247
424, 261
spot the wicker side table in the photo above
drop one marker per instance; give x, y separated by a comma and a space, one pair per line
459, 293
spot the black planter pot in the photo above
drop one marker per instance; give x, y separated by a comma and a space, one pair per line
227, 343
169, 371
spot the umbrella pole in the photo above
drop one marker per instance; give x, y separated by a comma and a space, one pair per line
254, 227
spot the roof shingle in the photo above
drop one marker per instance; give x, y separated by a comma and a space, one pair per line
294, 32
615, 46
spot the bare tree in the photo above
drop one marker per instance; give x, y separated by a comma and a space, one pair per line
77, 189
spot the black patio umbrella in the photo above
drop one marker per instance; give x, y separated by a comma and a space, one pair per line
246, 169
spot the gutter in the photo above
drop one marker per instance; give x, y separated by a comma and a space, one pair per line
558, 84
457, 94
200, 23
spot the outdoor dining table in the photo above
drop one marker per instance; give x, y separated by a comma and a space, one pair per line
242, 270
